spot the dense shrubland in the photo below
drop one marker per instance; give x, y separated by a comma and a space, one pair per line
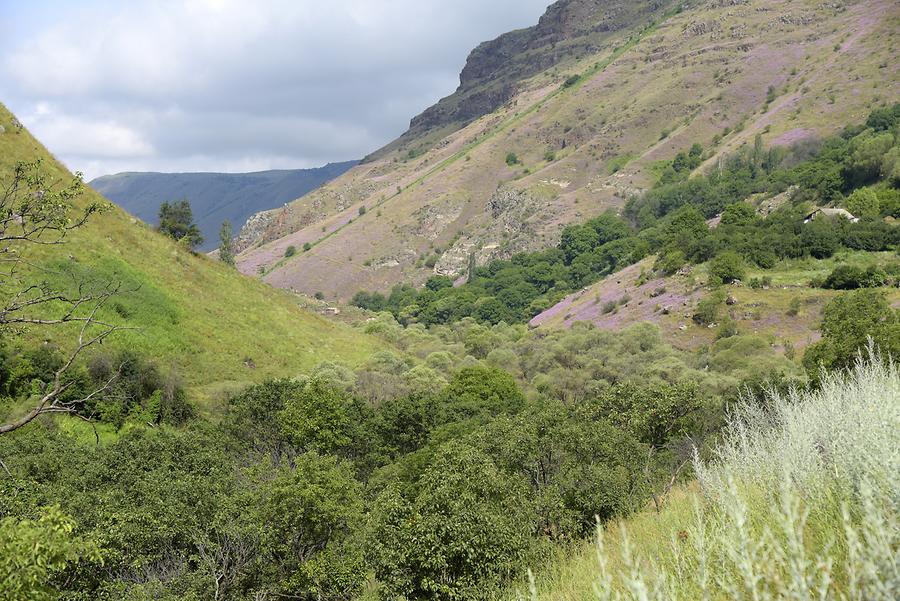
859, 170
798, 501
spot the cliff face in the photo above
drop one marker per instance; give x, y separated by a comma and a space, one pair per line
495, 69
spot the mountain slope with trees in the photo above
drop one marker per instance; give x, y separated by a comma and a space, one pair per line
585, 135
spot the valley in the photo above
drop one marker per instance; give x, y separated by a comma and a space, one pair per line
618, 319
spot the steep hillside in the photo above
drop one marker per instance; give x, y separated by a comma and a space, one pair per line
214, 197
785, 311
198, 316
564, 148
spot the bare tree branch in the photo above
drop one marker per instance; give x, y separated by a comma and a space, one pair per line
35, 211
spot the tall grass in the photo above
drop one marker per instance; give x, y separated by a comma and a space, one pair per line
799, 502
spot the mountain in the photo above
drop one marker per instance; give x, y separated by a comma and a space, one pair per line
215, 197
214, 327
558, 123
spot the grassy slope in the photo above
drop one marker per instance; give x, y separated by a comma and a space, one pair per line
192, 313
670, 302
692, 76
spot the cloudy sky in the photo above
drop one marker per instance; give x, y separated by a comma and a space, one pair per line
231, 85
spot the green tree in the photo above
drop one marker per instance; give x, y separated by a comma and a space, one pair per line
226, 243
848, 321
176, 220
739, 213
466, 530
309, 514
34, 552
479, 392
318, 417
863, 203
727, 267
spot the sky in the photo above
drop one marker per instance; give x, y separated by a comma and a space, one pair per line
231, 85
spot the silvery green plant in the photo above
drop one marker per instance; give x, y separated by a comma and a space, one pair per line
800, 502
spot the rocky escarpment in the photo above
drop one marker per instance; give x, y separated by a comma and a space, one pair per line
516, 218
494, 70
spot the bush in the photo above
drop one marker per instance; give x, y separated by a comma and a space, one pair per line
848, 277
465, 531
708, 309
799, 502
848, 322
727, 267
362, 210
512, 159
290, 251
863, 203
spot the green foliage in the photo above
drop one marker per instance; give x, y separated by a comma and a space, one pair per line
512, 159
863, 203
34, 552
226, 244
739, 214
479, 392
290, 251
310, 513
465, 532
727, 267
850, 277
176, 219
710, 308
318, 417
848, 322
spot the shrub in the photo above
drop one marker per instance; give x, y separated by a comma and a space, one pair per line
512, 159
727, 267
571, 81
799, 502
849, 277
362, 210
709, 308
462, 534
863, 203
290, 251
848, 322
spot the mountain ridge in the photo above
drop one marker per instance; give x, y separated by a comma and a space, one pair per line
215, 197
714, 73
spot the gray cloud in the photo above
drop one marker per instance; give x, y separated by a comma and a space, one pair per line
230, 85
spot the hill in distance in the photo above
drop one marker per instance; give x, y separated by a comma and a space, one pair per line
557, 123
214, 197
197, 316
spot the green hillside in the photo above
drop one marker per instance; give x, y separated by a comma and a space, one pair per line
210, 324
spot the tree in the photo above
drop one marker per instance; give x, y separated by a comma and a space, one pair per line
226, 244
466, 530
33, 551
848, 322
727, 266
310, 512
176, 220
35, 213
863, 203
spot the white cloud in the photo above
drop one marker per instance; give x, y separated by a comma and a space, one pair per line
199, 83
